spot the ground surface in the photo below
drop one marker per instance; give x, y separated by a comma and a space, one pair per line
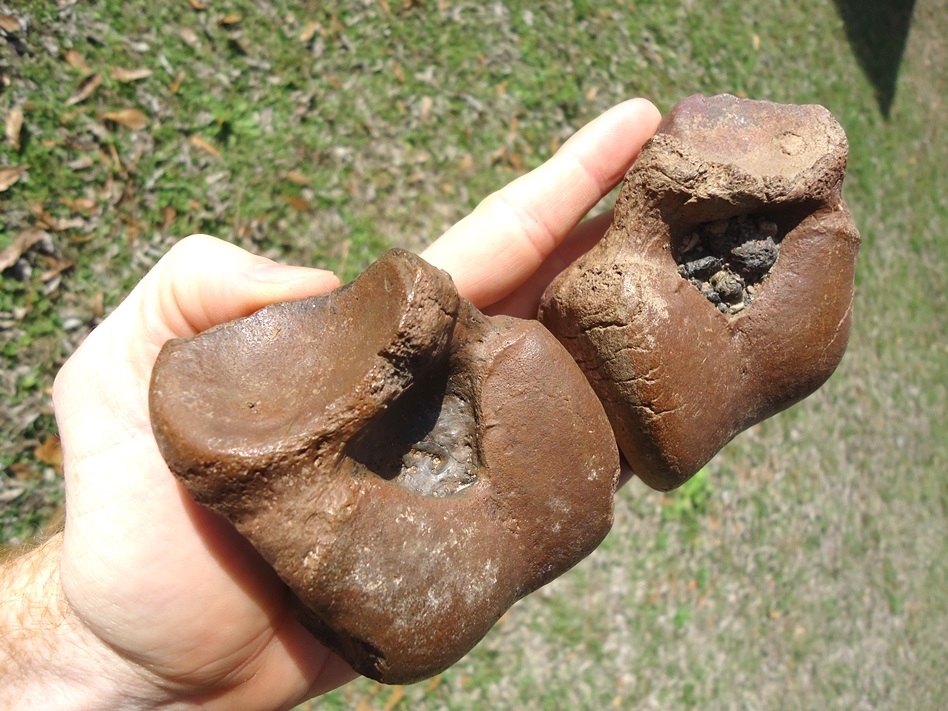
807, 567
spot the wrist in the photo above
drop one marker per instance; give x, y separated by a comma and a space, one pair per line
48, 659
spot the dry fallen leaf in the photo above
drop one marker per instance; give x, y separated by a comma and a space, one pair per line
10, 23
86, 88
129, 118
309, 31
57, 268
298, 203
200, 143
198, 5
190, 37
14, 126
47, 222
129, 75
9, 176
81, 163
176, 85
77, 61
21, 245
426, 104
230, 19
168, 215
97, 305
83, 204
294, 176
18, 470
398, 72
50, 452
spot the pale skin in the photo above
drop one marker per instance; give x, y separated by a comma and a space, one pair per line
149, 601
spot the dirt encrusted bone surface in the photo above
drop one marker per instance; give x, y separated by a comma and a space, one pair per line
727, 260
386, 449
722, 293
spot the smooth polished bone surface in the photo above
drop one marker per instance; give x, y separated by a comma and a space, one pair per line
408, 466
722, 293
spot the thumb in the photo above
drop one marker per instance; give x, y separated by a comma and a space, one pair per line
203, 281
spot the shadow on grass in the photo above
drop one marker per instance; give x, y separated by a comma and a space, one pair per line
877, 31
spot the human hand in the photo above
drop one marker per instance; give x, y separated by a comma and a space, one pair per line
504, 254
163, 603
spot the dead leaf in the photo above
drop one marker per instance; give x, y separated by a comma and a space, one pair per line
47, 222
168, 215
82, 239
77, 61
14, 126
177, 82
50, 452
22, 470
309, 31
230, 19
21, 245
9, 176
81, 163
98, 305
298, 203
83, 204
133, 228
10, 23
198, 5
190, 38
86, 89
294, 176
43, 218
129, 118
57, 268
129, 75
398, 72
203, 145
426, 104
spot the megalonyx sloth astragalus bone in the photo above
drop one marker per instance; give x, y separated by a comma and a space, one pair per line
408, 466
722, 293
411, 467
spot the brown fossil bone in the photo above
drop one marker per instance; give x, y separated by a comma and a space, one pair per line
722, 292
408, 466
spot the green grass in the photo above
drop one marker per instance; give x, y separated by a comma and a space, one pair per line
805, 569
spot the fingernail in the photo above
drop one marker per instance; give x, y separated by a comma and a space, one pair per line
273, 273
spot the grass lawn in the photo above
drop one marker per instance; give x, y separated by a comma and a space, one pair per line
806, 568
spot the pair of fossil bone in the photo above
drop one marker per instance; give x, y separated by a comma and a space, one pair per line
411, 467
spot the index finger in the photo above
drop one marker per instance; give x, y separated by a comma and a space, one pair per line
508, 236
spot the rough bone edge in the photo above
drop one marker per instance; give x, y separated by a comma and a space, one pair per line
297, 424
678, 378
